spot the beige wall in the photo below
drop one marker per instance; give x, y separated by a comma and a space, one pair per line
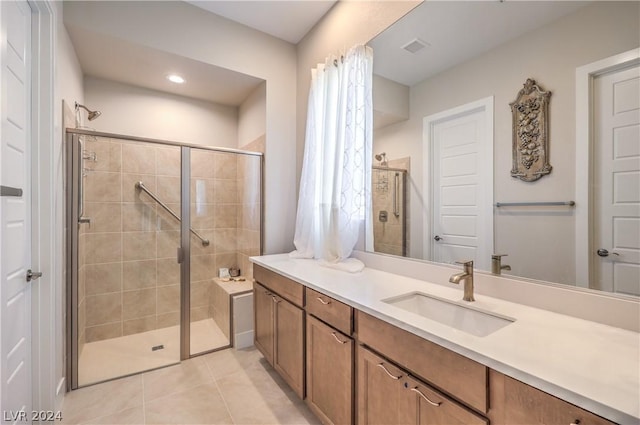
540, 244
218, 41
135, 111
252, 116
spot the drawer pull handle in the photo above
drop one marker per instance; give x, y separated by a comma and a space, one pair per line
323, 301
381, 366
338, 339
416, 390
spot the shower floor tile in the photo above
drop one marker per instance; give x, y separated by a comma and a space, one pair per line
111, 358
226, 387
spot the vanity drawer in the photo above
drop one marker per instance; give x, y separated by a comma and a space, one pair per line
286, 288
457, 375
335, 313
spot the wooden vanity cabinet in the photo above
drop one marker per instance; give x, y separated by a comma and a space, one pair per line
388, 394
279, 325
330, 358
516, 403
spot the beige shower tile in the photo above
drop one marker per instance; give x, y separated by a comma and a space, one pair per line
166, 320
168, 161
139, 274
138, 216
102, 332
103, 309
86, 404
101, 186
225, 191
105, 216
103, 278
199, 313
138, 246
225, 260
168, 189
138, 158
108, 155
224, 240
142, 324
202, 267
175, 379
168, 299
138, 303
103, 248
200, 293
202, 216
202, 190
166, 221
226, 216
202, 163
129, 191
168, 271
82, 315
167, 243
225, 166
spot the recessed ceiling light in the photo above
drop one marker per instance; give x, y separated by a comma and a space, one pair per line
415, 45
175, 79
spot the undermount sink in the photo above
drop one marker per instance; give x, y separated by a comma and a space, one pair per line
465, 318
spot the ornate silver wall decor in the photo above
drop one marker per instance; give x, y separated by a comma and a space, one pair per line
530, 113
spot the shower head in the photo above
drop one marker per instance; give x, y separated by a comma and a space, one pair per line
92, 114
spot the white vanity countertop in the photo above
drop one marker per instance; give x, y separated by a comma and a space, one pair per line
594, 366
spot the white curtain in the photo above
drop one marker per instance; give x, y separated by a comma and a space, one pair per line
335, 185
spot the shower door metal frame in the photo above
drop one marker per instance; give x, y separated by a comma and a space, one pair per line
73, 173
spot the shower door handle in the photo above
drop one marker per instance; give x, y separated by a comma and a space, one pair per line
180, 256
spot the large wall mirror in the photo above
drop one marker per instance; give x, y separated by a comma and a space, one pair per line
444, 76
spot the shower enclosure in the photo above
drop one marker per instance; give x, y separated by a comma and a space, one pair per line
389, 204
149, 225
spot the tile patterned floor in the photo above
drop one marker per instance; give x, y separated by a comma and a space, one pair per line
226, 387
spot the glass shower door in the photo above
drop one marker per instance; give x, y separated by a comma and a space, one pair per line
124, 235
225, 221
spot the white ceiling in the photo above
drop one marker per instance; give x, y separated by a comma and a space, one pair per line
457, 31
287, 20
117, 60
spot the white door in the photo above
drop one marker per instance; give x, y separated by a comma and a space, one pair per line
15, 211
461, 161
616, 239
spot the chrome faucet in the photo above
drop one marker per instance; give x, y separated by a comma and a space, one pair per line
496, 264
467, 277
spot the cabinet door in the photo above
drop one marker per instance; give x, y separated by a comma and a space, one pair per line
329, 373
264, 321
289, 343
430, 407
381, 397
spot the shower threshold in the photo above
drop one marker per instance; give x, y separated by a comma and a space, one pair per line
115, 357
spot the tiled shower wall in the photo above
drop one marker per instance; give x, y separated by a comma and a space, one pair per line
129, 275
388, 236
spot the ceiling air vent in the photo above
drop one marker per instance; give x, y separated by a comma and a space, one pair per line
415, 45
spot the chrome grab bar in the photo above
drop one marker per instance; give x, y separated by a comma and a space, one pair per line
396, 193
81, 218
141, 186
532, 204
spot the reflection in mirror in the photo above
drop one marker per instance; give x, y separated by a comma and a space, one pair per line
444, 76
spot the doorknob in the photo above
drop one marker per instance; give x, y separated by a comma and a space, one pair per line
437, 238
604, 253
31, 275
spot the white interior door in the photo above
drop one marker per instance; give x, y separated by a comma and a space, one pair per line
461, 146
15, 211
616, 239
